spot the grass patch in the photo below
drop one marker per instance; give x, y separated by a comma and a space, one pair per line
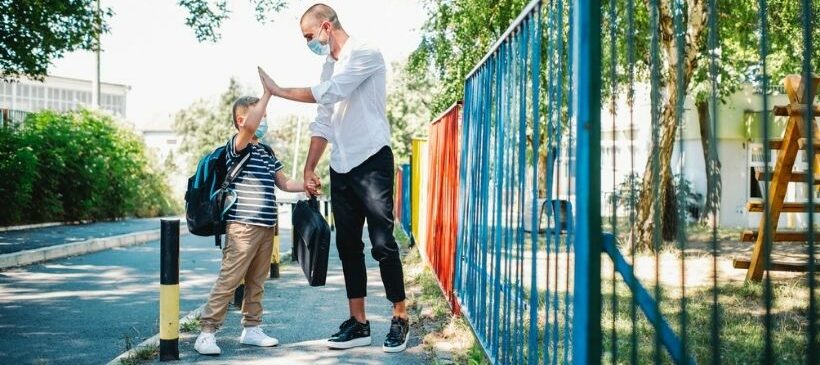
741, 320
190, 326
142, 354
446, 338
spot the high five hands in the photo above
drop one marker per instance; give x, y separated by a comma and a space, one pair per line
267, 81
312, 183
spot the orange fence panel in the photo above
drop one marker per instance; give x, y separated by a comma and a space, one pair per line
442, 205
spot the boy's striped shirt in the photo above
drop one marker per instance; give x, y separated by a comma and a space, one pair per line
254, 186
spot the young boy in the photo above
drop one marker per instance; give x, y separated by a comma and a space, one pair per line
250, 224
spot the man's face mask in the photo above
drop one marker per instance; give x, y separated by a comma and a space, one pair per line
262, 129
318, 47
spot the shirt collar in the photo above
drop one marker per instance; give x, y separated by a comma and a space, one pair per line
347, 48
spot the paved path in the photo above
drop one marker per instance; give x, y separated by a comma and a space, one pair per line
80, 310
13, 241
301, 316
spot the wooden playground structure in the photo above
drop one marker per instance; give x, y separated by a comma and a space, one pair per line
795, 137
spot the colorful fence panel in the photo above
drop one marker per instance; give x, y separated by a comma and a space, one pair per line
496, 259
418, 192
439, 244
402, 199
533, 271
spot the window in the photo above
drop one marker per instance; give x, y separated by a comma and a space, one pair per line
5, 95
23, 98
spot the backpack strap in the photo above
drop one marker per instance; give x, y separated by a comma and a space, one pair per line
229, 178
235, 170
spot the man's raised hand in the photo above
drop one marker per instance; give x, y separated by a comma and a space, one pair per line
267, 81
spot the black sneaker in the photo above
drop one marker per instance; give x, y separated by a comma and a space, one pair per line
353, 335
349, 322
396, 340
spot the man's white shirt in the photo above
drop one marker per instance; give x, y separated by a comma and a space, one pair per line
351, 113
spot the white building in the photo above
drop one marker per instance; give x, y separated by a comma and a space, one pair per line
739, 147
163, 142
60, 94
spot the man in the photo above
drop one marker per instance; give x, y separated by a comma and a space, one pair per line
351, 115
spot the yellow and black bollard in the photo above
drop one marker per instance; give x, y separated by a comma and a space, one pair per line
274, 256
169, 290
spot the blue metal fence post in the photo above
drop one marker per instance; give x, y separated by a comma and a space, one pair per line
587, 106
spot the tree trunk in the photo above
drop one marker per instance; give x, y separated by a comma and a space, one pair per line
670, 211
645, 224
712, 166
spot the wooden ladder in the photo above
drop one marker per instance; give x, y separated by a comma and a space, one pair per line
794, 138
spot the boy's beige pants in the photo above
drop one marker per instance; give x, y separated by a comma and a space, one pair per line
245, 255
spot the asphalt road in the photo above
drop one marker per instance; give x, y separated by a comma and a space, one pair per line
83, 310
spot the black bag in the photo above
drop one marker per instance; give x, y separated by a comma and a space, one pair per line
311, 240
208, 197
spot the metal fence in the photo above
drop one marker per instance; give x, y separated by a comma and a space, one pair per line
439, 243
564, 253
496, 260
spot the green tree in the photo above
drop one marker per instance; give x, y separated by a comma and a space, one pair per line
457, 34
282, 137
736, 52
79, 165
409, 99
205, 17
206, 124
34, 33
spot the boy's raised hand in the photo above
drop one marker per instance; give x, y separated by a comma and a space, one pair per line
267, 81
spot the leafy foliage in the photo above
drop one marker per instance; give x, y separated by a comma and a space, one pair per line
409, 100
205, 17
206, 124
456, 35
74, 166
33, 33
281, 135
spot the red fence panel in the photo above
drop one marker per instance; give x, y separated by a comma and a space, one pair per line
442, 207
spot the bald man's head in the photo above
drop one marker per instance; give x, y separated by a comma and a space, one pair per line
319, 13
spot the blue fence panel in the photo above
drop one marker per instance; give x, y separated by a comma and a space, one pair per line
497, 253
406, 207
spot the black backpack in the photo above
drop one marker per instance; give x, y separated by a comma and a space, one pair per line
208, 197
311, 240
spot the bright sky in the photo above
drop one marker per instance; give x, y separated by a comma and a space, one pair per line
151, 49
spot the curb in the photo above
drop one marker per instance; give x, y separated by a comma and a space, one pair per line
154, 340
28, 257
29, 226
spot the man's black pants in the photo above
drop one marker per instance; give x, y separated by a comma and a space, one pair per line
366, 192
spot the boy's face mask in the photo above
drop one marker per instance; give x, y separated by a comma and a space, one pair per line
262, 129
318, 47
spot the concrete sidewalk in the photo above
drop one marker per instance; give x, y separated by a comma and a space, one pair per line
29, 239
301, 317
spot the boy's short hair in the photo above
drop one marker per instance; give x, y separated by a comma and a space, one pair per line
241, 105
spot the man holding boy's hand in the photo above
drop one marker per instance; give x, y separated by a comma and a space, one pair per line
250, 227
351, 115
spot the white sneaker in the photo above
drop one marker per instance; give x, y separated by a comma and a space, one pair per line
206, 344
254, 336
